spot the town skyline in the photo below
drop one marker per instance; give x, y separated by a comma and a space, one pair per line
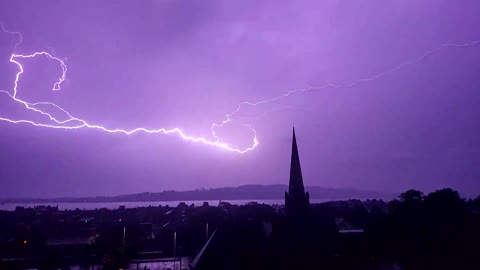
398, 110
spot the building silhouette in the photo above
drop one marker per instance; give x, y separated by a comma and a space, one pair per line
300, 241
293, 241
297, 201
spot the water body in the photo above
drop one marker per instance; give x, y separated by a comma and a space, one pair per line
116, 205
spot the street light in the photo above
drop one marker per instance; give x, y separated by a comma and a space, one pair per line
174, 247
206, 232
123, 246
174, 244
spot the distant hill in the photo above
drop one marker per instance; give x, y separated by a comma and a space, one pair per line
246, 192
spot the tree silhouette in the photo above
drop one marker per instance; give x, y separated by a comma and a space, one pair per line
411, 195
408, 226
445, 216
445, 204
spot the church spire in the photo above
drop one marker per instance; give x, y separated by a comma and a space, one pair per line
296, 180
297, 201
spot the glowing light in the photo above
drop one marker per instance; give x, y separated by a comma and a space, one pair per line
81, 123
354, 83
72, 122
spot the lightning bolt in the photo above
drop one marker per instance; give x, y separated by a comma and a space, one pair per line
72, 122
353, 83
80, 123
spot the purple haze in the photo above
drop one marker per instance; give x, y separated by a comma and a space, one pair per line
186, 64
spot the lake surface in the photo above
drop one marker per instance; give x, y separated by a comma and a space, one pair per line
115, 205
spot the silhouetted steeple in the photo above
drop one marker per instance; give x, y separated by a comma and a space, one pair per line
297, 202
296, 179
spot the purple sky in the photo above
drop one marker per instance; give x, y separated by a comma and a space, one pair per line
172, 63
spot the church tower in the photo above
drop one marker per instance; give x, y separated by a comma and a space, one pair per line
297, 201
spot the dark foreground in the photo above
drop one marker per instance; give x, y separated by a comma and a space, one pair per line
436, 231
